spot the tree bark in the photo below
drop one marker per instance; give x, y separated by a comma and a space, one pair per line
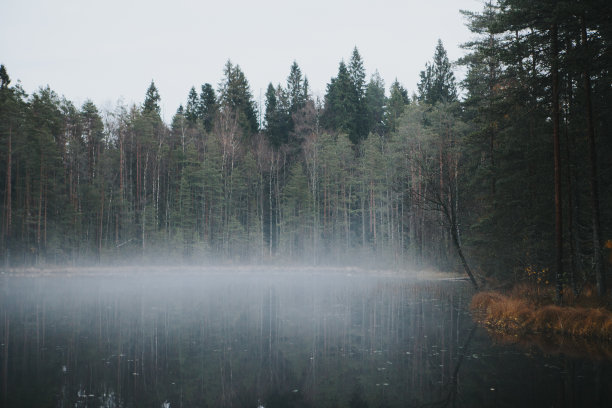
9, 204
597, 244
557, 162
452, 221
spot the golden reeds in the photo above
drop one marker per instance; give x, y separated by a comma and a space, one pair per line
522, 311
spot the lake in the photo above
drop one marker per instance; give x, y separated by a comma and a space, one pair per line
273, 339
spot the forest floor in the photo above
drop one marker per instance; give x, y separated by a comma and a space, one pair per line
527, 312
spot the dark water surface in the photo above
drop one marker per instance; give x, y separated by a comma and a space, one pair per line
279, 340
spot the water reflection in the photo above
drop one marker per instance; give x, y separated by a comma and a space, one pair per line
275, 340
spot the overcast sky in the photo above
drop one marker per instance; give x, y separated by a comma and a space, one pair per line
105, 50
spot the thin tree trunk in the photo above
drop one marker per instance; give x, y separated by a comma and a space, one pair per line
570, 213
144, 204
597, 244
452, 220
569, 147
100, 228
40, 198
9, 204
45, 199
363, 216
270, 205
557, 163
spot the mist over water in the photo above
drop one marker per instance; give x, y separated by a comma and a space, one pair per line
280, 339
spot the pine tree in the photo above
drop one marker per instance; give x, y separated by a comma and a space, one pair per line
235, 95
273, 128
305, 90
341, 104
357, 74
375, 104
151, 103
360, 115
295, 88
437, 82
191, 109
4, 78
207, 106
93, 132
398, 99
345, 103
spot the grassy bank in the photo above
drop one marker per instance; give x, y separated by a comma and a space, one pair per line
528, 309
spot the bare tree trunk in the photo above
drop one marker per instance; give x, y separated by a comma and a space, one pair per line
270, 205
363, 216
138, 173
120, 167
144, 204
557, 163
570, 214
100, 228
45, 219
261, 213
40, 200
452, 221
597, 244
9, 204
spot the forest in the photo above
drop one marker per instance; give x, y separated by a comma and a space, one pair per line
504, 174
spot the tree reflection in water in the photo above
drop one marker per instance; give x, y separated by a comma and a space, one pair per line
244, 339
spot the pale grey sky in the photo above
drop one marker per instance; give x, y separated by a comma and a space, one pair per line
109, 49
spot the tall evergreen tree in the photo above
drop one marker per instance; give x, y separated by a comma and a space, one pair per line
235, 95
357, 73
276, 117
398, 99
295, 88
340, 102
151, 103
207, 106
4, 78
93, 132
345, 103
375, 104
360, 116
305, 90
437, 82
191, 109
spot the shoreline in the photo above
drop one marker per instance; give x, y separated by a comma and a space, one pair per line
190, 270
525, 312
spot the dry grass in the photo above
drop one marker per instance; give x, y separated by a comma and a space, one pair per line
526, 310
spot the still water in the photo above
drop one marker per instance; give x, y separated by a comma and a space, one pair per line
289, 339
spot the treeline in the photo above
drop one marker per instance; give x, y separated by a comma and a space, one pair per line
512, 178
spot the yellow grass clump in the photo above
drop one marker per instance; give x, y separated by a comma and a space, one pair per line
521, 312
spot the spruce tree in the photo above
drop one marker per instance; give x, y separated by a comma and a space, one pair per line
375, 104
4, 78
341, 104
151, 103
360, 115
191, 109
207, 106
437, 82
398, 99
295, 88
235, 95
271, 117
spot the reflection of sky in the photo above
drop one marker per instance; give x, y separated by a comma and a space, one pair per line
105, 50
